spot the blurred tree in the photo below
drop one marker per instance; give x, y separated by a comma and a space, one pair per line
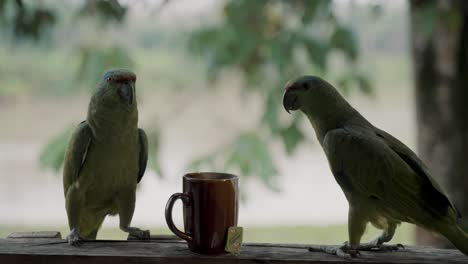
268, 43
26, 21
107, 10
440, 53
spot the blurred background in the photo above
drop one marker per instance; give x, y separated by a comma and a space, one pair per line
210, 78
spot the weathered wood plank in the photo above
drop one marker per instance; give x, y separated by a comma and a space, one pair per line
115, 252
157, 237
39, 234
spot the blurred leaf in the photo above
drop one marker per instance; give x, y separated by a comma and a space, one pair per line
154, 154
281, 50
364, 84
344, 84
248, 153
265, 41
2, 8
292, 136
353, 79
344, 39
312, 8
30, 22
53, 153
251, 155
317, 51
204, 163
271, 109
255, 35
107, 10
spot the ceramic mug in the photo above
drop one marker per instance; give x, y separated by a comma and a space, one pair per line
210, 207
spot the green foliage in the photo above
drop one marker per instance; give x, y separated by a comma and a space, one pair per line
33, 19
154, 161
316, 51
26, 20
291, 135
343, 39
251, 155
353, 79
270, 42
107, 10
53, 154
272, 107
267, 41
247, 154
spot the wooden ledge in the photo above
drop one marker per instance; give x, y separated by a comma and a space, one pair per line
54, 250
39, 234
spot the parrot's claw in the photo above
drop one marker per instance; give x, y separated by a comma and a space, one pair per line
74, 238
381, 247
138, 233
345, 251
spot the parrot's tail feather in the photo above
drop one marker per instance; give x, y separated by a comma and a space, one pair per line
458, 237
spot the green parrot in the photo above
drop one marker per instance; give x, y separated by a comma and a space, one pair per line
105, 159
384, 182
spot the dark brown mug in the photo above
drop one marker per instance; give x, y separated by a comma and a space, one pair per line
210, 207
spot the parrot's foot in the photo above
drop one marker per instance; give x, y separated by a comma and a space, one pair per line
74, 238
372, 246
138, 233
345, 251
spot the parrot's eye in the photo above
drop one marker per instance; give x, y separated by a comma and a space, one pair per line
109, 79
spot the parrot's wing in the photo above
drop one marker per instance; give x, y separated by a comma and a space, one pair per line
414, 162
143, 155
364, 165
75, 156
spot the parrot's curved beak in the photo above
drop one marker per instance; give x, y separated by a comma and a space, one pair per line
290, 100
127, 93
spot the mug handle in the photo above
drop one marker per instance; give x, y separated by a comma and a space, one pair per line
170, 204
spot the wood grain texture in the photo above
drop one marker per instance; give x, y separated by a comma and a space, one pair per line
28, 250
156, 237
39, 234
